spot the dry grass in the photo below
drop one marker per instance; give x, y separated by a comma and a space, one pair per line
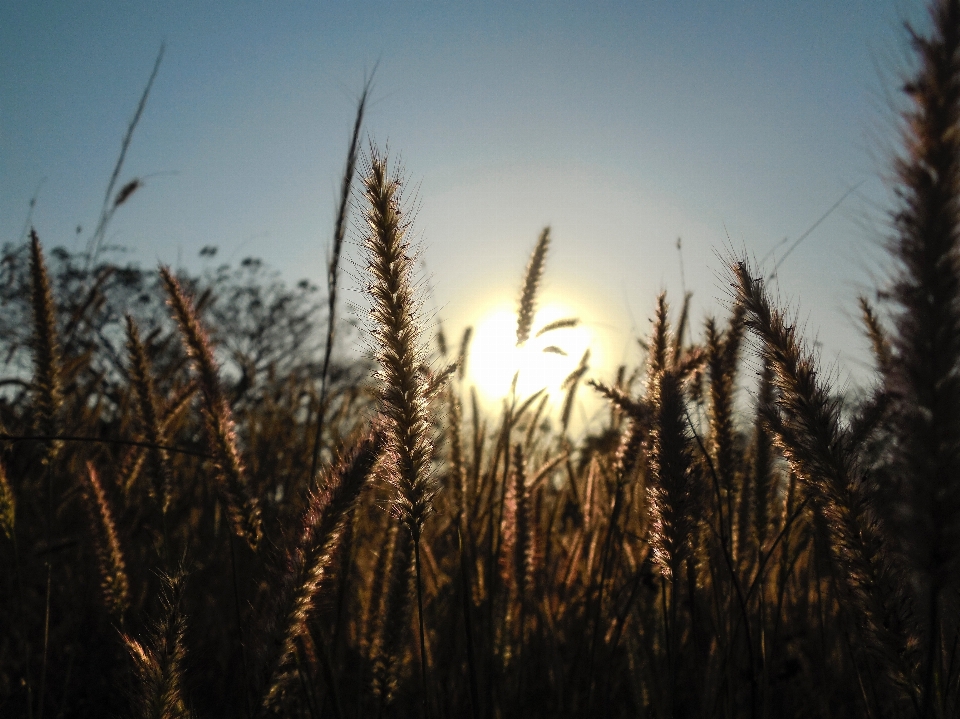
685, 558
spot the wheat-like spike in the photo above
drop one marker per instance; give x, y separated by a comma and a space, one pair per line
396, 314
113, 571
682, 325
879, 342
464, 351
176, 406
631, 407
658, 343
723, 353
558, 325
923, 379
142, 379
242, 508
457, 469
816, 450
437, 381
8, 504
311, 558
531, 281
926, 343
159, 662
46, 350
721, 407
675, 484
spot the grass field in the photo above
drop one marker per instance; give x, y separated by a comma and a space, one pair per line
206, 513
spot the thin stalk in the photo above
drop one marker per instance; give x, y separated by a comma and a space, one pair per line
46, 641
23, 614
423, 646
333, 269
467, 595
243, 646
729, 562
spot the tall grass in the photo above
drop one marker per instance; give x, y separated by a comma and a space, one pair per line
166, 552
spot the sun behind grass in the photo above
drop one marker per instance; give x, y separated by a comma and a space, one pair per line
542, 362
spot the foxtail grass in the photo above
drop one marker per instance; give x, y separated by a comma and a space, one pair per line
813, 441
231, 480
310, 560
113, 571
403, 392
531, 282
333, 267
159, 661
143, 384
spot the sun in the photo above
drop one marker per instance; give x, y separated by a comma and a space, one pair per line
543, 362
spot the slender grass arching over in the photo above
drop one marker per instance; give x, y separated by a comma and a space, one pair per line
210, 507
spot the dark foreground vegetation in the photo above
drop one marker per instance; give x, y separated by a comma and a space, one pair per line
168, 550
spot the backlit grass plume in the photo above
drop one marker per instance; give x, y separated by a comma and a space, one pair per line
675, 486
46, 350
531, 281
159, 660
311, 558
142, 380
396, 331
113, 570
923, 377
814, 443
403, 388
242, 508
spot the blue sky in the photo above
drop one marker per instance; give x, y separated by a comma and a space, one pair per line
622, 125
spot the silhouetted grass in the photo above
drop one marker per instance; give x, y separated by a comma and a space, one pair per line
795, 557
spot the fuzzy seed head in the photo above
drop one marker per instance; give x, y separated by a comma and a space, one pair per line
395, 312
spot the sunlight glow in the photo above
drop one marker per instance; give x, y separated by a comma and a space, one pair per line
494, 357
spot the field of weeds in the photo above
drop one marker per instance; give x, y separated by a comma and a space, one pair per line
204, 513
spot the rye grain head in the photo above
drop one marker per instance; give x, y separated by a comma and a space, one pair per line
531, 282
810, 434
46, 350
159, 660
310, 560
242, 508
396, 331
113, 570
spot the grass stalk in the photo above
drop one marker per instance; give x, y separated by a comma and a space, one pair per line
333, 267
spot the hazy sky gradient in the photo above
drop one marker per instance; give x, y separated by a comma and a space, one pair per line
622, 125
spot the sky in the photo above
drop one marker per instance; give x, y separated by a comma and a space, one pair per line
731, 124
